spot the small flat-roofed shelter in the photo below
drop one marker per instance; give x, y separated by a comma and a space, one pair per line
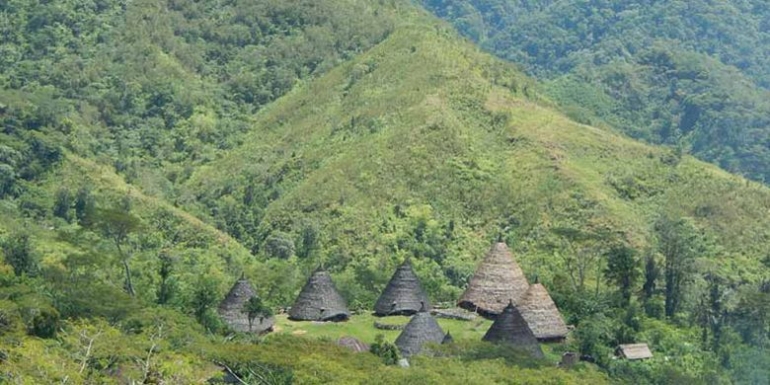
634, 351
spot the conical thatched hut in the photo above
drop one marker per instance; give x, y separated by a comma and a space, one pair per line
421, 329
511, 328
319, 301
541, 314
403, 295
232, 310
497, 280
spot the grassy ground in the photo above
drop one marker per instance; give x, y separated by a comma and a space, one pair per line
361, 326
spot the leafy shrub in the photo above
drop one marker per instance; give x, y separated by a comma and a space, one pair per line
279, 245
9, 317
41, 319
387, 351
17, 250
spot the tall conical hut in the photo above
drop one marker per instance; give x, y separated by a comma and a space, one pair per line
511, 328
542, 315
319, 300
497, 280
403, 295
232, 310
421, 329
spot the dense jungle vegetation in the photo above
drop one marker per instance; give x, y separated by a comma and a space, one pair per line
690, 74
152, 151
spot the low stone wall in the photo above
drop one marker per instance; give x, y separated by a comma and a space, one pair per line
456, 314
384, 326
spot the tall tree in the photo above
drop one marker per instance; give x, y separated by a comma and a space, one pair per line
85, 206
254, 308
204, 299
117, 225
710, 314
584, 248
62, 204
651, 274
751, 317
622, 271
680, 242
17, 251
167, 287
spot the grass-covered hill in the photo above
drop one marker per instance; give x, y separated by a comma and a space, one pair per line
373, 162
153, 151
685, 73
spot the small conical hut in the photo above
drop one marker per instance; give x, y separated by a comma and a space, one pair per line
497, 280
542, 315
403, 295
511, 328
232, 310
319, 301
421, 329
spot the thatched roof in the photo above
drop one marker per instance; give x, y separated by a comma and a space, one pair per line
541, 314
634, 351
497, 280
421, 329
231, 310
319, 301
510, 328
403, 294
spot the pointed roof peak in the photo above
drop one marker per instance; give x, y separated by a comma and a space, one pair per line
319, 300
447, 338
231, 309
421, 329
511, 328
403, 295
497, 280
542, 315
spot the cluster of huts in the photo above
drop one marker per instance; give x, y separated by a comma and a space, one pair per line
524, 314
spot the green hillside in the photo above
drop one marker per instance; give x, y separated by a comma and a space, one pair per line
377, 163
437, 161
692, 74
141, 177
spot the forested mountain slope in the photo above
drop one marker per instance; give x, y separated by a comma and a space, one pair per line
372, 163
154, 151
106, 105
685, 73
156, 88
